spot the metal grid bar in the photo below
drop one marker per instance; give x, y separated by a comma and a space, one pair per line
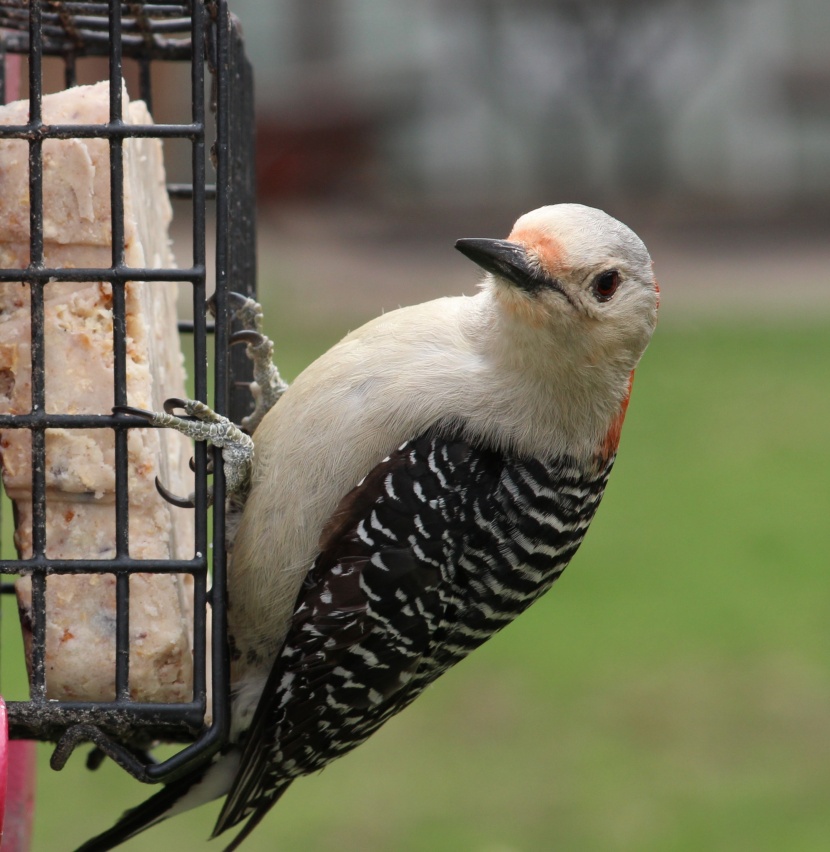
119, 348
236, 156
44, 275
50, 565
206, 34
38, 685
101, 131
146, 29
198, 206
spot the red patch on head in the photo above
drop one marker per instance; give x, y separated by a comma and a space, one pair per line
612, 437
547, 249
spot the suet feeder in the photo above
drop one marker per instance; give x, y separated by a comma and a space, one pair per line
148, 43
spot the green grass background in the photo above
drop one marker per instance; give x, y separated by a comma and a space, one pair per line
671, 693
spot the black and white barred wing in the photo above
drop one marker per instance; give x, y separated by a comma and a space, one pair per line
430, 555
365, 616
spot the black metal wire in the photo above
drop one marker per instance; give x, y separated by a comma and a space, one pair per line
57, 273
100, 131
203, 33
38, 676
197, 86
150, 30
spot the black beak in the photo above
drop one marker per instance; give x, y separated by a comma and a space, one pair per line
505, 259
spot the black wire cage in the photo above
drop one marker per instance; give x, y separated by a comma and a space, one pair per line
143, 40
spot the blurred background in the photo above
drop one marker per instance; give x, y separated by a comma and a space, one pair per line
387, 130
673, 691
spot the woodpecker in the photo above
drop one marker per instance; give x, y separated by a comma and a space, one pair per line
413, 491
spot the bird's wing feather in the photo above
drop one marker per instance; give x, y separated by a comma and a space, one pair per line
366, 616
148, 813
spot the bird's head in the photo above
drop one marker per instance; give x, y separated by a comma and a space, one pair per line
578, 276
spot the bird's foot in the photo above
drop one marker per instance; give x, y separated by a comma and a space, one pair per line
202, 423
267, 386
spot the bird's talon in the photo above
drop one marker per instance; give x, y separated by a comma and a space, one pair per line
252, 338
235, 301
170, 405
237, 304
201, 423
238, 300
180, 502
132, 410
192, 464
267, 386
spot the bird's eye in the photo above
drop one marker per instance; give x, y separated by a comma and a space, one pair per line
605, 285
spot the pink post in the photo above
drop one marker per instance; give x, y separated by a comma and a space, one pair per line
4, 765
17, 789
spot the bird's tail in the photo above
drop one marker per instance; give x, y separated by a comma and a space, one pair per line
254, 815
188, 792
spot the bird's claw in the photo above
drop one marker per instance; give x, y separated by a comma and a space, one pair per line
173, 403
267, 386
247, 310
236, 302
180, 502
202, 423
188, 502
133, 411
249, 336
192, 464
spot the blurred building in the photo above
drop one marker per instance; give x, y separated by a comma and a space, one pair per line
716, 102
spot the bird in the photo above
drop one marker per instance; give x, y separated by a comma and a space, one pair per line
413, 491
